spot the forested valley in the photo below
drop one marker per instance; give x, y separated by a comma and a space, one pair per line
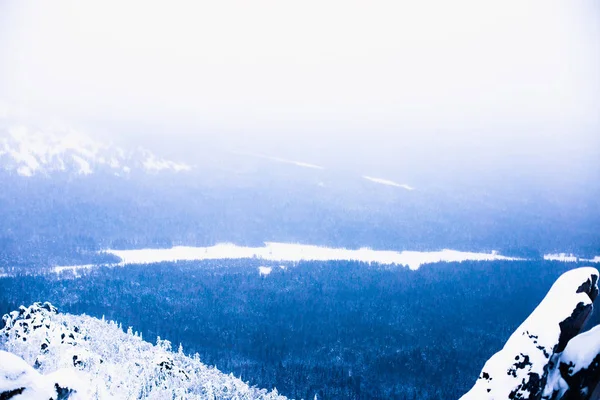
335, 329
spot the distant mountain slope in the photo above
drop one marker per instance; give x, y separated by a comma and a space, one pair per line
27, 151
71, 357
65, 196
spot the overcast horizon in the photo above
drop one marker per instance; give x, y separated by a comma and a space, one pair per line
387, 84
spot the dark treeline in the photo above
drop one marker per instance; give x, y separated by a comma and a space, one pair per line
64, 221
337, 329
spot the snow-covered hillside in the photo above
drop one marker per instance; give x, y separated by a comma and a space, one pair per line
45, 354
27, 151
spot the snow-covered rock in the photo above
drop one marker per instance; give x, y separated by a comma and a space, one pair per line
545, 358
19, 381
45, 354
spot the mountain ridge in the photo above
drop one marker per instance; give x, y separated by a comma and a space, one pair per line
26, 152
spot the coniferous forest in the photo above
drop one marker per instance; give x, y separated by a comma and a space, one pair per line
335, 329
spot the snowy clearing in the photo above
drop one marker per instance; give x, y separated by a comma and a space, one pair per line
264, 271
564, 257
300, 252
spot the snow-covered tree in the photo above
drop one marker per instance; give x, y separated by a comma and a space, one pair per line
95, 359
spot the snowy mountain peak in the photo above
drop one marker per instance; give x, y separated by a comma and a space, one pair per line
45, 354
27, 152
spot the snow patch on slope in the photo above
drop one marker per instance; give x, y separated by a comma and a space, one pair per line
151, 163
296, 163
264, 271
388, 182
280, 160
84, 166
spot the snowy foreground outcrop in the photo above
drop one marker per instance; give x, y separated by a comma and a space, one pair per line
547, 357
48, 355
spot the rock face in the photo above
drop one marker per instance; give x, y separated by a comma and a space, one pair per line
546, 357
48, 355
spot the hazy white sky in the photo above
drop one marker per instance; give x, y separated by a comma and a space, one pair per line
464, 73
